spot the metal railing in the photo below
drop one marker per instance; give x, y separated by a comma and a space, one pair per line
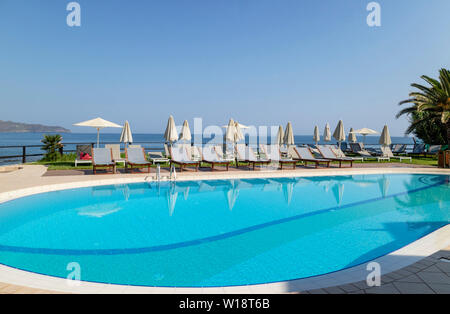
25, 153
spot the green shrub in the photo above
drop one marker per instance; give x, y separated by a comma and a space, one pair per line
52, 145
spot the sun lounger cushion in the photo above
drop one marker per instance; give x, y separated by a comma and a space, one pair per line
273, 153
209, 154
419, 149
179, 154
246, 153
327, 153
136, 156
219, 151
434, 149
305, 153
338, 152
115, 148
102, 156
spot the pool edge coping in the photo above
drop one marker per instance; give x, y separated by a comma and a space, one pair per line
38, 189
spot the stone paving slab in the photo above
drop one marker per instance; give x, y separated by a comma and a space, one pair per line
427, 276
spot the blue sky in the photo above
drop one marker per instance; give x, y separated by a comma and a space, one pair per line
262, 62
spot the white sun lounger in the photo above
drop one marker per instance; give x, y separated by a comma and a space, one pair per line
181, 157
339, 153
358, 149
246, 154
83, 149
115, 148
210, 156
102, 158
387, 152
136, 159
305, 155
273, 153
227, 157
327, 153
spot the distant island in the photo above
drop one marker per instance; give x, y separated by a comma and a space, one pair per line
17, 127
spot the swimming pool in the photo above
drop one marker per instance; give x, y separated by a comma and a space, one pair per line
222, 232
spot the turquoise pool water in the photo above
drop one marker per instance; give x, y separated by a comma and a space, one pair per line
220, 233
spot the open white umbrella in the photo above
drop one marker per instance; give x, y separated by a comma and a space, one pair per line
316, 136
171, 135
352, 136
185, 132
289, 135
339, 133
364, 132
99, 124
385, 138
126, 136
327, 133
280, 136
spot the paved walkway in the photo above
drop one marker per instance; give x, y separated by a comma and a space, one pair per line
38, 175
13, 289
430, 275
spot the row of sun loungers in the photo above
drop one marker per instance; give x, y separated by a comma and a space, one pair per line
185, 155
246, 155
420, 149
385, 153
396, 150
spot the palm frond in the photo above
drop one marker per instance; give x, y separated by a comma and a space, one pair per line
404, 111
407, 101
431, 81
444, 77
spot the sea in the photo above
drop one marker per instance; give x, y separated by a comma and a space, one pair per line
149, 141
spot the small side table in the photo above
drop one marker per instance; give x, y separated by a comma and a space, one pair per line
158, 162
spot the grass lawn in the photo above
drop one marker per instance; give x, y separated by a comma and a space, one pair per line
425, 161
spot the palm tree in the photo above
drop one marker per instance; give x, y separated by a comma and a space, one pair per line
52, 144
433, 100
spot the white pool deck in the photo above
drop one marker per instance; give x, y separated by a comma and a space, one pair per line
30, 180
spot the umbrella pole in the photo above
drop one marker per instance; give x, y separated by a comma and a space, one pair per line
98, 137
